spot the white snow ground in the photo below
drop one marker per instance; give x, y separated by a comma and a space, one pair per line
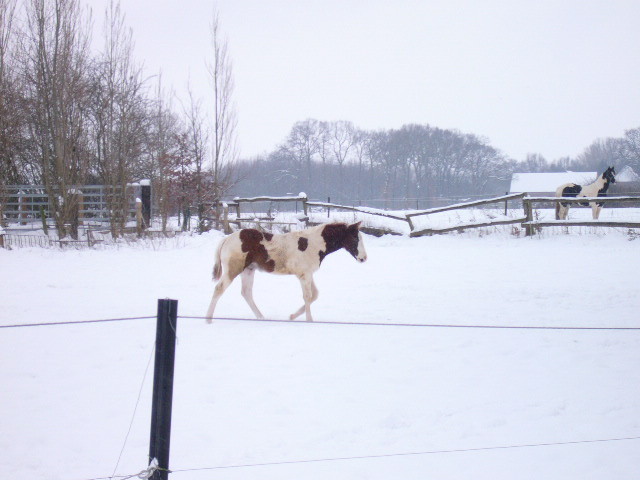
256, 393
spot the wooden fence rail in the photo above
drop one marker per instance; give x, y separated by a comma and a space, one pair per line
530, 225
526, 219
368, 211
460, 206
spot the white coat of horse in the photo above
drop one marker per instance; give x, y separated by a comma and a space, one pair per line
596, 189
297, 253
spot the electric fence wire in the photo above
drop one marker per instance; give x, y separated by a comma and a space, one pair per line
74, 322
410, 325
339, 322
133, 416
371, 457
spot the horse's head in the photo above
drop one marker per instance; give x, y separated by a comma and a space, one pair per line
353, 242
610, 175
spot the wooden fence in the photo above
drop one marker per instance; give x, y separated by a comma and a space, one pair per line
523, 201
531, 225
526, 220
432, 231
306, 205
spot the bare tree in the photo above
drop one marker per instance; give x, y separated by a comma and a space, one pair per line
164, 152
343, 138
361, 145
9, 117
630, 148
56, 58
197, 138
599, 155
117, 114
224, 148
302, 145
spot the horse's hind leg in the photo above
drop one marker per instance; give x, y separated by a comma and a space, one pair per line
247, 290
563, 211
310, 294
221, 286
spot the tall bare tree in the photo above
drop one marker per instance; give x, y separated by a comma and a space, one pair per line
117, 114
164, 151
56, 59
197, 135
224, 146
9, 116
343, 138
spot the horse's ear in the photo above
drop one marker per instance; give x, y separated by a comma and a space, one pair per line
356, 225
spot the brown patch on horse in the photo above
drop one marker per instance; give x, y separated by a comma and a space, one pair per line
268, 236
303, 243
333, 236
256, 253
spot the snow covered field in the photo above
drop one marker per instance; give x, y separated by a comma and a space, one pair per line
258, 393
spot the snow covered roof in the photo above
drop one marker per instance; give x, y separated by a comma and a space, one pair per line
548, 182
627, 174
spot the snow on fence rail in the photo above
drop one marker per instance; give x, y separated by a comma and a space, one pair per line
459, 206
526, 219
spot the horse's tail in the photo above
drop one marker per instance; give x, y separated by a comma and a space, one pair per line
217, 266
557, 210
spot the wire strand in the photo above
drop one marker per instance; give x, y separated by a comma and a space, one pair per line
343, 323
135, 409
415, 325
74, 322
406, 454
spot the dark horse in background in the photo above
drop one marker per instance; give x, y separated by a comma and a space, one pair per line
596, 189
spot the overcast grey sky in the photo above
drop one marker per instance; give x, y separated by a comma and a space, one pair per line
535, 76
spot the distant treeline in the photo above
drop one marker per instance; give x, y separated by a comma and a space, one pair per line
416, 162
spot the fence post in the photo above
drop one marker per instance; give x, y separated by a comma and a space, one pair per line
22, 208
328, 208
139, 219
163, 387
528, 212
145, 196
225, 218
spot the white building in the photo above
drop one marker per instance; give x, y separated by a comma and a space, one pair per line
545, 184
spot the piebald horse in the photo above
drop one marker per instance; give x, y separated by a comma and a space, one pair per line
296, 253
596, 189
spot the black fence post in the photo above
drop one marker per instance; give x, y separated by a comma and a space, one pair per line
145, 197
163, 387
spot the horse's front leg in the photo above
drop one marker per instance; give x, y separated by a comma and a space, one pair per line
309, 293
595, 210
247, 290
